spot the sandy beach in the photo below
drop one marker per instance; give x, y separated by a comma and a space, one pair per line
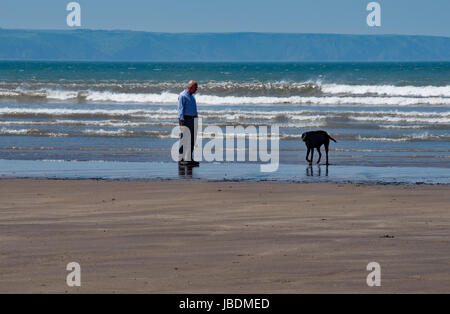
222, 237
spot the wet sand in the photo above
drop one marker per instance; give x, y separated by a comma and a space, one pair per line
203, 237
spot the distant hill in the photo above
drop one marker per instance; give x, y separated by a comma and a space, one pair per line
90, 45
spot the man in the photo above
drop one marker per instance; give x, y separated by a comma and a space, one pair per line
187, 117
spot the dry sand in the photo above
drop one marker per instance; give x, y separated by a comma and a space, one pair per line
201, 237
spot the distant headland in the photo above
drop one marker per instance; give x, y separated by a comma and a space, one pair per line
112, 45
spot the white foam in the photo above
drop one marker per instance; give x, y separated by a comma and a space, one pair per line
364, 95
400, 119
132, 97
422, 136
400, 127
33, 132
5, 131
430, 114
172, 98
161, 114
387, 90
167, 117
61, 95
68, 112
106, 123
103, 132
323, 101
125, 133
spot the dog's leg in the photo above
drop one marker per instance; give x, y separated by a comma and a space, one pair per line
320, 154
326, 151
312, 155
307, 154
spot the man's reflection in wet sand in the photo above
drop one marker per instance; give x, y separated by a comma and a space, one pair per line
185, 171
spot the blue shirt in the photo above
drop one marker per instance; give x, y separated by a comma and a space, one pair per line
186, 105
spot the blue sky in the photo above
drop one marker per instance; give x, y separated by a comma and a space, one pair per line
417, 17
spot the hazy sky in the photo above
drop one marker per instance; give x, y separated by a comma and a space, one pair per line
294, 16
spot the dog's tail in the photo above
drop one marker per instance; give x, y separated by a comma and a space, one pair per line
331, 138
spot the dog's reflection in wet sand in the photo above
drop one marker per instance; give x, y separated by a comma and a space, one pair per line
310, 171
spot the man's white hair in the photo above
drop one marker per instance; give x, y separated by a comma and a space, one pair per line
191, 83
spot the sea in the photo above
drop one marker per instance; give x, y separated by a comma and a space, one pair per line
107, 119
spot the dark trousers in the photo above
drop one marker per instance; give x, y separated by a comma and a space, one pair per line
189, 122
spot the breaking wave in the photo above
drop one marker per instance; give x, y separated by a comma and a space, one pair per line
387, 90
231, 93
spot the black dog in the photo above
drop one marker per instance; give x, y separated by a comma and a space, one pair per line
315, 139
